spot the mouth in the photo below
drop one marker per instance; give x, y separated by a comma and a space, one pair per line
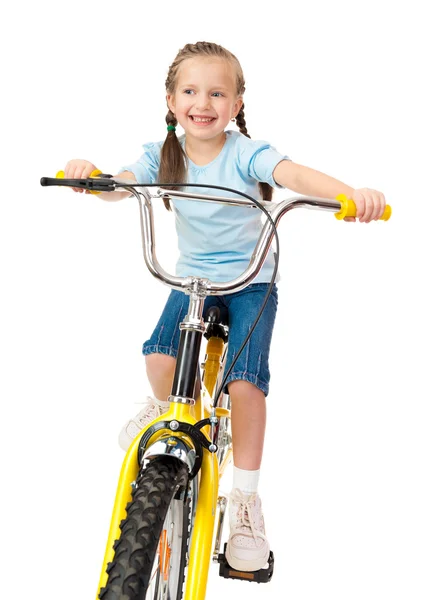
201, 121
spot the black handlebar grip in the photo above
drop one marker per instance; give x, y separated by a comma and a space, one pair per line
49, 181
95, 184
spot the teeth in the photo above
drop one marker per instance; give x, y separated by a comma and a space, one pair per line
201, 120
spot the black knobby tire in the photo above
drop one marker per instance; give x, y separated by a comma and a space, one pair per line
135, 551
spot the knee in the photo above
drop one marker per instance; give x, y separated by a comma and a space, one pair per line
160, 365
244, 389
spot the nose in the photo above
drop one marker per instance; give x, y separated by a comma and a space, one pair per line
203, 101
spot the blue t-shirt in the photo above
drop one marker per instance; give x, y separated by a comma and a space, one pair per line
216, 241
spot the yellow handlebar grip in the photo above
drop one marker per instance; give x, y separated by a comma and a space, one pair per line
61, 175
95, 173
349, 209
386, 213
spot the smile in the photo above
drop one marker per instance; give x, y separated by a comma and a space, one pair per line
202, 120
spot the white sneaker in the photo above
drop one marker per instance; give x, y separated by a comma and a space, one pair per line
247, 548
155, 408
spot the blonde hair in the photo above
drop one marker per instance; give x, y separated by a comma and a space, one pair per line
173, 160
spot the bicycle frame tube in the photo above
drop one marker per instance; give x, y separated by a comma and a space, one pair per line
203, 530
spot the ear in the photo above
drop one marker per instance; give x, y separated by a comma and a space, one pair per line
237, 105
170, 99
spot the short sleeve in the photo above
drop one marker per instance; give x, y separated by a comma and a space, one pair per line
146, 168
259, 159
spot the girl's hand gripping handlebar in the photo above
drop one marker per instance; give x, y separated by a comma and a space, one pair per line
349, 209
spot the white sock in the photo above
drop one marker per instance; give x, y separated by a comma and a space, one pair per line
163, 404
246, 481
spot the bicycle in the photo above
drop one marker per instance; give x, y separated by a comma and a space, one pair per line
167, 510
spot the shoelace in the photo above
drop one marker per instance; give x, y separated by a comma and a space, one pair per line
245, 524
149, 415
151, 411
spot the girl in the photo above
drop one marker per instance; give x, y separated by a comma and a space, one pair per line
204, 91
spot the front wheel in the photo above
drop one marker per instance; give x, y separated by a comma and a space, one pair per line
151, 553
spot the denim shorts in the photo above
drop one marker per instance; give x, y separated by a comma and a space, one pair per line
241, 309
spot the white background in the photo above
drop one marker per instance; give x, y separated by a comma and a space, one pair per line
335, 85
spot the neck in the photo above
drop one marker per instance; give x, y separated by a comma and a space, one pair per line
207, 149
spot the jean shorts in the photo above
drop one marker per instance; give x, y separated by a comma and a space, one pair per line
241, 309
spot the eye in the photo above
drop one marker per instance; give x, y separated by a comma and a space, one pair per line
188, 91
217, 94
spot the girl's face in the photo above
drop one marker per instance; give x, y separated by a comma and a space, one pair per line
205, 97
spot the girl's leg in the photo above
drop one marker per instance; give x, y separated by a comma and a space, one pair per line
248, 383
248, 424
248, 548
160, 370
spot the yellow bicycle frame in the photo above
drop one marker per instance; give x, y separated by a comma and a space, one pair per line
203, 526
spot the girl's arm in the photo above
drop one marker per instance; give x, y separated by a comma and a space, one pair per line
303, 180
114, 196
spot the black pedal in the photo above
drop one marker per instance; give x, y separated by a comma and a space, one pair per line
260, 576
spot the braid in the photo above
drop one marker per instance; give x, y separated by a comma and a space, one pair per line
172, 158
266, 190
240, 121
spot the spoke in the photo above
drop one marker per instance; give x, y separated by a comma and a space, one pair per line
153, 576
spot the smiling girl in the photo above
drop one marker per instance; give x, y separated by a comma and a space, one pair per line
204, 92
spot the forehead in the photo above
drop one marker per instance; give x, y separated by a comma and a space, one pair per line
207, 70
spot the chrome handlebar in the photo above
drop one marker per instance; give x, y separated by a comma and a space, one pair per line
205, 286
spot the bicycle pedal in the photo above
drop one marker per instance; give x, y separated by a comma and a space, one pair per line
260, 576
